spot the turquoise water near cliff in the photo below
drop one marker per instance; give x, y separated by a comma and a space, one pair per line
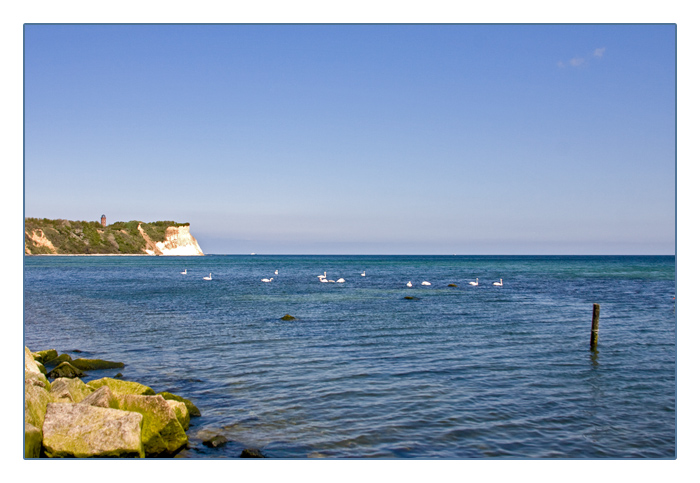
457, 372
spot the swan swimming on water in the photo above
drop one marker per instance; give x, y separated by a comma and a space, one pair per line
276, 272
498, 283
475, 283
266, 279
409, 284
321, 277
184, 273
362, 274
426, 283
207, 278
340, 280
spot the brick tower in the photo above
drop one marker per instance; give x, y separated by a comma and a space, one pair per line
104, 220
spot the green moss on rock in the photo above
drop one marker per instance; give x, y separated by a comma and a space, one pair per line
191, 408
32, 441
181, 412
118, 386
162, 433
84, 431
288, 317
66, 369
45, 356
69, 390
96, 364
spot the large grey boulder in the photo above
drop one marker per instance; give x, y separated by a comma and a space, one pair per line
70, 390
84, 431
162, 434
103, 398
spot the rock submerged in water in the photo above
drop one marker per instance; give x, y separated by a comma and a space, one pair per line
452, 285
252, 453
96, 364
215, 441
288, 317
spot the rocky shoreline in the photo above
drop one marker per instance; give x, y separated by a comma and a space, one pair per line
104, 418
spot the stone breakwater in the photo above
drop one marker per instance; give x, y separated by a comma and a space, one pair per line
105, 418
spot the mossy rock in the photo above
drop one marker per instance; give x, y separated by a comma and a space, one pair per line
408, 297
69, 390
288, 317
32, 441
45, 356
59, 360
162, 433
118, 386
452, 285
66, 369
102, 398
96, 364
83, 431
191, 408
36, 399
41, 367
181, 412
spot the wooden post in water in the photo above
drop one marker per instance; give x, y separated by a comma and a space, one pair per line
594, 326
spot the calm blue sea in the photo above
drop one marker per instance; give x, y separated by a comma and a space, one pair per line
457, 372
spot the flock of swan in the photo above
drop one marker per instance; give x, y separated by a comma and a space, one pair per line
323, 279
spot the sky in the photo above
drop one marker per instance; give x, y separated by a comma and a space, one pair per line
360, 139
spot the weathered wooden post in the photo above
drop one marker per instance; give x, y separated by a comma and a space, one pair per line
594, 326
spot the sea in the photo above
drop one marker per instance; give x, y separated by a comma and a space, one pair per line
373, 368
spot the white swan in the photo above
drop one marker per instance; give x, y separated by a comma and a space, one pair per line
475, 283
426, 283
207, 278
498, 283
340, 280
362, 274
323, 280
184, 273
409, 284
321, 277
266, 279
277, 272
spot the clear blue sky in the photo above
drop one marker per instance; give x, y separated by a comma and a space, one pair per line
378, 139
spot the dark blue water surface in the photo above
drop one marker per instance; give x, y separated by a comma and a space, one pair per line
457, 372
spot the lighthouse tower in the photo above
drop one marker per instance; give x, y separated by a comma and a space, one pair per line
104, 220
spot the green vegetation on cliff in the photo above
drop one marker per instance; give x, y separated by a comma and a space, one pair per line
44, 236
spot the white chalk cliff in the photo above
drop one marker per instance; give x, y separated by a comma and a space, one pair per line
178, 241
